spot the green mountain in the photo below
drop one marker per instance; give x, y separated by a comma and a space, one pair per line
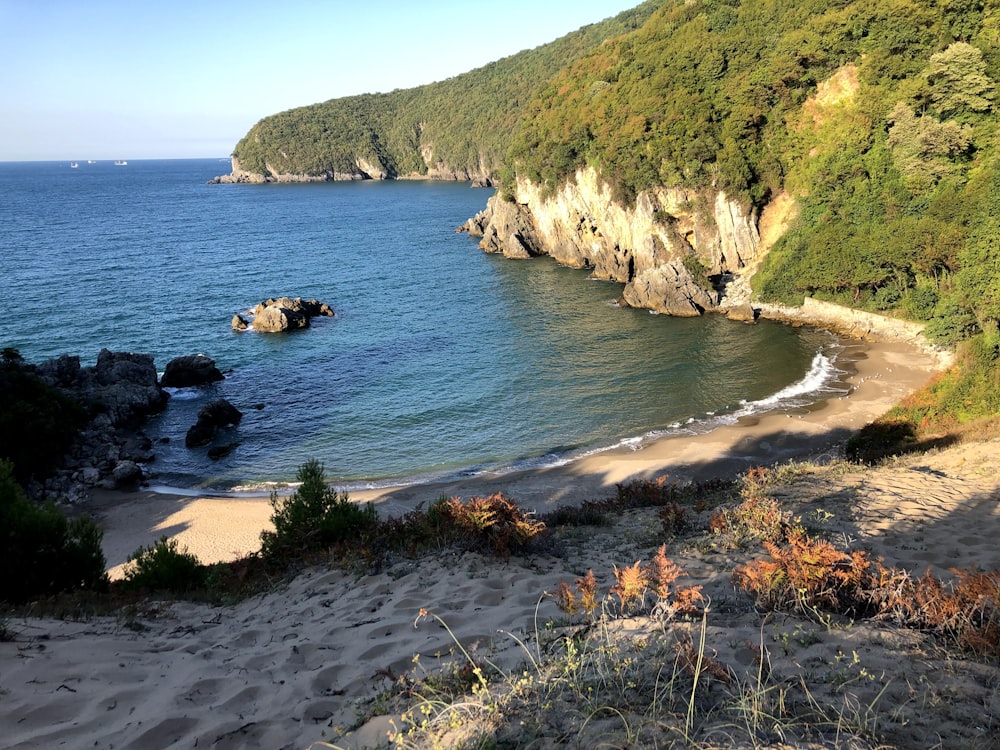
896, 183
876, 119
460, 127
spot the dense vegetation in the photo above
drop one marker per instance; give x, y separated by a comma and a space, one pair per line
896, 179
464, 122
37, 422
41, 551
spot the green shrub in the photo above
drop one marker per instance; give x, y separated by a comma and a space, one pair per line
37, 422
881, 439
163, 566
313, 517
41, 551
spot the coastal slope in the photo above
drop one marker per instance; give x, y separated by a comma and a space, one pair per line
330, 655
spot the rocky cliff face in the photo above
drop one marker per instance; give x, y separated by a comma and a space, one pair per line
365, 169
643, 247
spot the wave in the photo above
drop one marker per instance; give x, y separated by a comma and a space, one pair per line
822, 380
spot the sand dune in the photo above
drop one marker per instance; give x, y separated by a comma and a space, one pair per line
312, 660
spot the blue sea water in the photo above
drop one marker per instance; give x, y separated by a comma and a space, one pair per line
441, 359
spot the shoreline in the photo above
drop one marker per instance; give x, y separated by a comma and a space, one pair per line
223, 529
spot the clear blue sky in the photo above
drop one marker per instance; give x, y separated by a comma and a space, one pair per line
134, 79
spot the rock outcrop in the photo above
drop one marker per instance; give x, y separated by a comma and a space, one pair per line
642, 246
282, 314
189, 371
364, 169
212, 417
120, 392
669, 289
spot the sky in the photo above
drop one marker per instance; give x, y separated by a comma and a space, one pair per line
152, 79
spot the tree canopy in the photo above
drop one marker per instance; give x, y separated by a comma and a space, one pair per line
892, 172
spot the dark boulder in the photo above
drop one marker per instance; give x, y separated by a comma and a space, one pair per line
118, 393
190, 370
743, 312
128, 386
212, 417
221, 451
127, 475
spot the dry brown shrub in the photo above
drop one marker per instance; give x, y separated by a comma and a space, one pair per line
588, 593
968, 610
756, 519
699, 664
662, 573
495, 521
632, 583
672, 519
630, 586
806, 573
756, 480
566, 599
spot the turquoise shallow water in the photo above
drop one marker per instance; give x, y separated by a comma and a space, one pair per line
441, 360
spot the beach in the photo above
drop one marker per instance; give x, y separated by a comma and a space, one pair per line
219, 529
324, 657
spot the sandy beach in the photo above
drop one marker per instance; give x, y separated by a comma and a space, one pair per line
325, 657
219, 529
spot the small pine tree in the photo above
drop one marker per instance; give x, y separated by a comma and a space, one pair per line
313, 517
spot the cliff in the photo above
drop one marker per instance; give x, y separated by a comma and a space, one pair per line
362, 169
650, 247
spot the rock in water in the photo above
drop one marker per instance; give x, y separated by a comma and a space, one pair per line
213, 416
743, 312
274, 319
190, 370
283, 314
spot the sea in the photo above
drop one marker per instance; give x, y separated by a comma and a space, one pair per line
441, 361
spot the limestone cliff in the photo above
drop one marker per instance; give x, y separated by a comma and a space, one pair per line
643, 246
364, 169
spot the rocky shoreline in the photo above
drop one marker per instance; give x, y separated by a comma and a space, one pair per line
363, 170
119, 393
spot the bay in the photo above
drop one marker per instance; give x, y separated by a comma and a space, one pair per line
441, 360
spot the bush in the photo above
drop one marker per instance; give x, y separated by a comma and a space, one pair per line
494, 523
164, 567
37, 422
881, 439
313, 517
41, 551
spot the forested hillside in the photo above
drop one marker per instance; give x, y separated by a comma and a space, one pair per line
876, 119
895, 178
463, 124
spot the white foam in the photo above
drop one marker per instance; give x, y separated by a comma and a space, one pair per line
819, 379
183, 394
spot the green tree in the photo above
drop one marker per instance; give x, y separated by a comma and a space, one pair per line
978, 278
925, 149
41, 551
313, 517
37, 422
957, 81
